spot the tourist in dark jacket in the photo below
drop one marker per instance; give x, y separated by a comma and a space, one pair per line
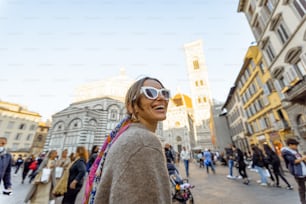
26, 167
169, 154
295, 162
77, 172
241, 164
5, 167
92, 157
19, 162
258, 163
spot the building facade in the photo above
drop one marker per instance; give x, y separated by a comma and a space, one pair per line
40, 138
219, 127
19, 126
279, 29
178, 127
85, 123
236, 119
267, 121
200, 92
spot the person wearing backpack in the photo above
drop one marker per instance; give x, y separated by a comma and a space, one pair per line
295, 162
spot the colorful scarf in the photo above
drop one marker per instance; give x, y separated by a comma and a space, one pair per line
96, 169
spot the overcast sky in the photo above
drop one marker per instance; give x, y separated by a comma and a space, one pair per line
50, 47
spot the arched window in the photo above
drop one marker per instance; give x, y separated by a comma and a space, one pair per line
114, 114
59, 126
293, 55
75, 124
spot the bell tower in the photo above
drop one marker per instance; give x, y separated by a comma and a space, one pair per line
200, 91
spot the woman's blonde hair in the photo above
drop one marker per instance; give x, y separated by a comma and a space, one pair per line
133, 94
51, 152
82, 152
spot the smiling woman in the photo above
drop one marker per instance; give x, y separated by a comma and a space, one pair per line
129, 174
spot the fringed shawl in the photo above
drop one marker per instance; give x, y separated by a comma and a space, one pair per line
97, 167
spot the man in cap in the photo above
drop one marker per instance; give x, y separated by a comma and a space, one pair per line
295, 162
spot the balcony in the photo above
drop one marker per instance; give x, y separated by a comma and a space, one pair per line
297, 92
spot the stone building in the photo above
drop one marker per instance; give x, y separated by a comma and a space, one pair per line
178, 127
84, 123
40, 137
19, 126
279, 29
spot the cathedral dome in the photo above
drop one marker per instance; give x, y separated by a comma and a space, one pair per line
182, 100
113, 87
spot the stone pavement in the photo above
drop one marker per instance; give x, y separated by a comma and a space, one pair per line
209, 189
217, 189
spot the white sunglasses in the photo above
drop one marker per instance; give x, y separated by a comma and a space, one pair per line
152, 93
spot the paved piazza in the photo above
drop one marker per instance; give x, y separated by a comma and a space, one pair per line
210, 189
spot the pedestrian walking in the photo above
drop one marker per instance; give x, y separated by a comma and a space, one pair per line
241, 164
185, 155
230, 161
5, 167
131, 166
295, 162
208, 161
26, 167
268, 171
44, 181
258, 164
18, 164
62, 164
77, 171
34, 166
274, 160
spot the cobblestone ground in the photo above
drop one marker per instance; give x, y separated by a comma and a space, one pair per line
210, 189
218, 189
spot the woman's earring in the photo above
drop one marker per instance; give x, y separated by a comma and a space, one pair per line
134, 118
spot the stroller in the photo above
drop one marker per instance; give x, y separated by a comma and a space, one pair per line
180, 187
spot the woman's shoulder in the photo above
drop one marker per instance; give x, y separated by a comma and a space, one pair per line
138, 129
138, 133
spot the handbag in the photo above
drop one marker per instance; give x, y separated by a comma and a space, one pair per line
45, 175
266, 172
61, 187
58, 172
